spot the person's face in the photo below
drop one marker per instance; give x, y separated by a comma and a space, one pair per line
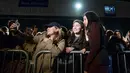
118, 35
76, 28
52, 30
13, 26
85, 21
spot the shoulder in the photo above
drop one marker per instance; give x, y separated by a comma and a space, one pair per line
39, 36
41, 33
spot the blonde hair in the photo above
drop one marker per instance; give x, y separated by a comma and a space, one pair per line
59, 35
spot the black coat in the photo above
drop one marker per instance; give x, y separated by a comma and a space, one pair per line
14, 40
77, 43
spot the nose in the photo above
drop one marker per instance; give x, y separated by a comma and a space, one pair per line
83, 22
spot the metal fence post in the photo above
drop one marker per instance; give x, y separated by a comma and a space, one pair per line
81, 63
73, 63
57, 65
125, 62
118, 62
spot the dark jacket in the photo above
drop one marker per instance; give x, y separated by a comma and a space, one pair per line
97, 59
15, 38
114, 44
78, 43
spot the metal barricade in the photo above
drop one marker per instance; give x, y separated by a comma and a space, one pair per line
78, 52
36, 56
48, 52
12, 53
73, 52
124, 58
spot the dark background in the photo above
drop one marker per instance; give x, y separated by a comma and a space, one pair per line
63, 12
125, 0
112, 23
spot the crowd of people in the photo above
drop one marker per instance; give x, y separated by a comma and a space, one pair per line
87, 35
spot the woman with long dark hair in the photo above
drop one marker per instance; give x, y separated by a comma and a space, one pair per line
97, 59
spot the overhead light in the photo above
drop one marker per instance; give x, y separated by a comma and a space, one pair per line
78, 5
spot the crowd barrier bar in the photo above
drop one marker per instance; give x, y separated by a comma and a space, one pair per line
78, 52
73, 52
22, 51
46, 52
36, 56
124, 58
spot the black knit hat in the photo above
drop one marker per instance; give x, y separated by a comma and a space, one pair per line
92, 16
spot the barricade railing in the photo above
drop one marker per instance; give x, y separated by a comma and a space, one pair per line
36, 56
124, 58
48, 52
78, 52
12, 53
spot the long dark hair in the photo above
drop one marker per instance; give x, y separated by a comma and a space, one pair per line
82, 34
92, 18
